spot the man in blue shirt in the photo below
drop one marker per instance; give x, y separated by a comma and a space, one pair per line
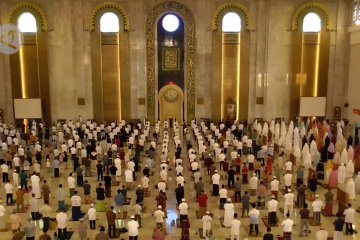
119, 200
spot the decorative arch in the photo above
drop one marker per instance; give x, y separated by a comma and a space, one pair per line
34, 9
189, 20
312, 7
235, 7
111, 6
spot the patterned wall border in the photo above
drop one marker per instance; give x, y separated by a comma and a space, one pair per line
189, 50
33, 9
312, 7
220, 11
109, 5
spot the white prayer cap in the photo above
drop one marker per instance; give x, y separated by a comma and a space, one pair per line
229, 199
183, 200
92, 205
139, 186
272, 196
207, 212
132, 217
316, 196
215, 171
274, 177
159, 207
289, 190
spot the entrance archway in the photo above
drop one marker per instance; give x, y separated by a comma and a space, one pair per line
189, 61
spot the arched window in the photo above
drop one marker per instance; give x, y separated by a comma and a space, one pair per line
312, 23
231, 22
109, 22
27, 23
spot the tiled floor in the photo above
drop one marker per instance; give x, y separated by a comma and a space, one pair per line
172, 214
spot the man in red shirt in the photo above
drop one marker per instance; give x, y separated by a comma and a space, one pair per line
202, 200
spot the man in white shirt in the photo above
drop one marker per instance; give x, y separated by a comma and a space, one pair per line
92, 216
61, 219
288, 203
274, 186
183, 210
235, 228
317, 206
223, 196
272, 206
5, 172
349, 214
2, 217
159, 217
75, 206
287, 225
288, 181
206, 220
9, 190
133, 228
215, 181
71, 184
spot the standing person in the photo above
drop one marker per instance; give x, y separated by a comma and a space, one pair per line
288, 203
29, 229
82, 230
231, 177
287, 225
304, 221
275, 187
100, 197
228, 213
133, 228
206, 220
107, 180
92, 216
60, 195
158, 234
349, 214
111, 219
339, 225
35, 183
202, 200
179, 193
87, 192
329, 198
9, 190
321, 234
56, 168
23, 180
45, 211
235, 228
45, 236
245, 204
15, 222
300, 196
183, 210
61, 219
317, 206
45, 189
254, 219
137, 210
71, 184
5, 172
272, 206
34, 207
20, 199
159, 217
237, 189
2, 216
119, 201
99, 169
140, 195
216, 182
76, 206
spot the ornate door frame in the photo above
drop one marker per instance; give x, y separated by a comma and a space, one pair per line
190, 43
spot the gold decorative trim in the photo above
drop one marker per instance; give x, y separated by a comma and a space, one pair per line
240, 9
113, 6
33, 9
185, 13
312, 7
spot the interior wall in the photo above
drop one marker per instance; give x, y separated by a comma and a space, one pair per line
69, 55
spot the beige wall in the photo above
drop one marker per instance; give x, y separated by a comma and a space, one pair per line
69, 54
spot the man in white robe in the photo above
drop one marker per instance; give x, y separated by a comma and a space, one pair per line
35, 184
342, 173
206, 220
350, 169
229, 213
118, 166
344, 156
350, 189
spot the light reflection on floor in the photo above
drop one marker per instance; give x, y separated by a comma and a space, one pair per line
172, 215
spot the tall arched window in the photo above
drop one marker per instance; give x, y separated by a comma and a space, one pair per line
110, 63
27, 23
231, 22
29, 66
310, 55
109, 22
230, 63
312, 23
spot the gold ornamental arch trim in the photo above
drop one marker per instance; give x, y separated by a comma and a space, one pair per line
188, 18
236, 7
317, 8
34, 9
110, 6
